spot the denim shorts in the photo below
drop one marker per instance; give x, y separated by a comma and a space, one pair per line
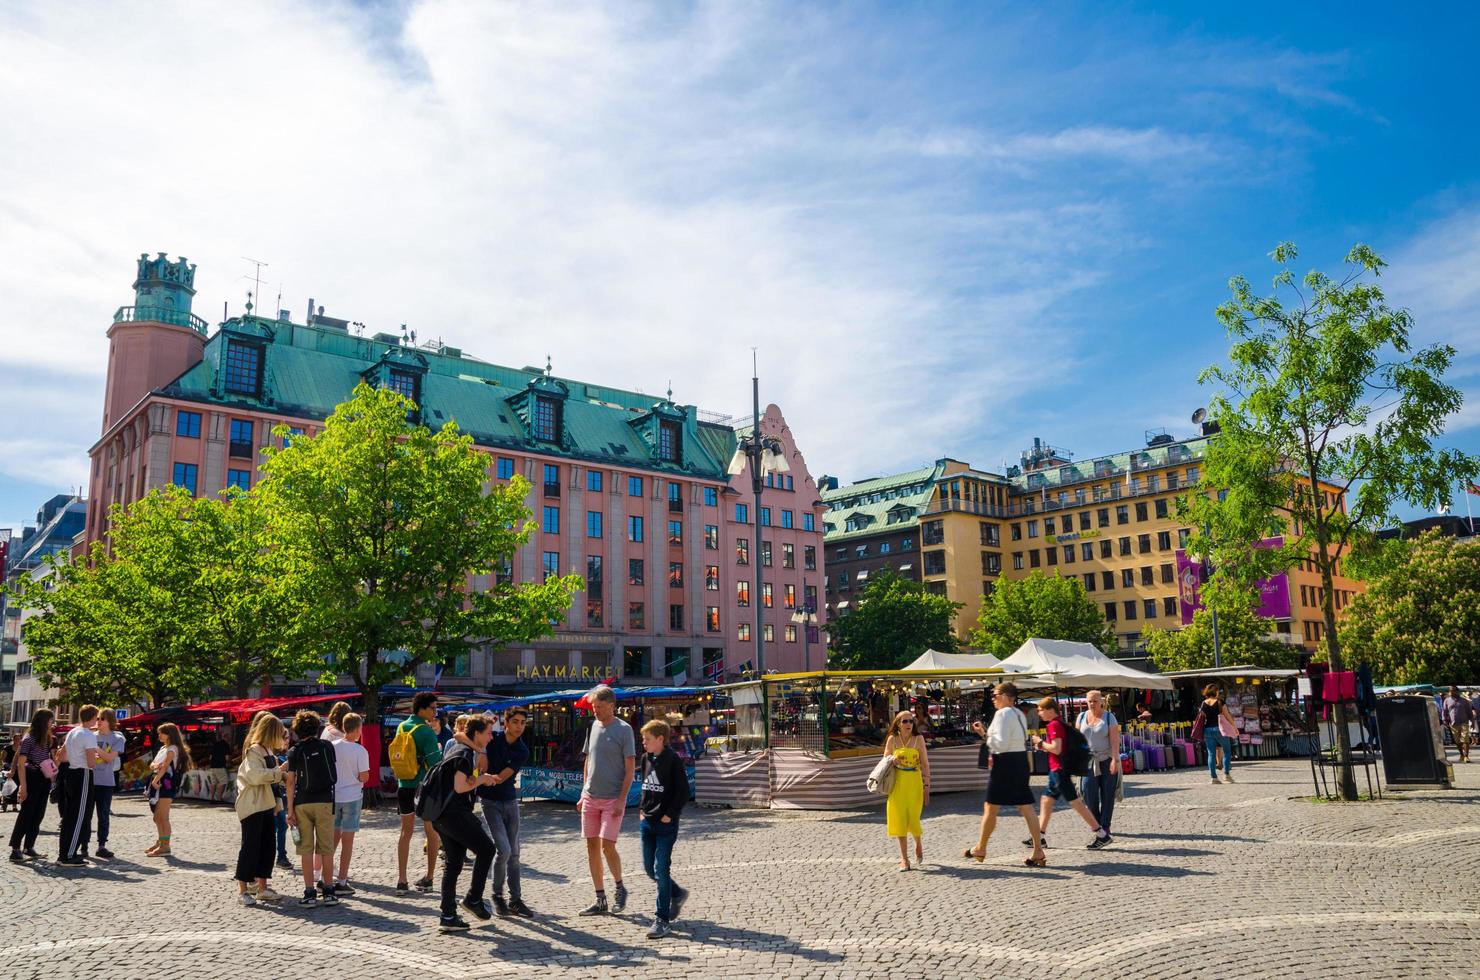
347, 816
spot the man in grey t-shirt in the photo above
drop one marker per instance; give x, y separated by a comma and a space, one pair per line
611, 755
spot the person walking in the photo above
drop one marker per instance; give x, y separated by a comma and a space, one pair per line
425, 752
256, 808
80, 749
111, 746
611, 755
665, 790
452, 787
911, 787
1457, 714
1007, 773
507, 754
310, 785
9, 771
1102, 732
352, 764
34, 772
1218, 729
1060, 783
169, 766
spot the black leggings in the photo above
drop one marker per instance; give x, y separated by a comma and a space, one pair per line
28, 822
259, 840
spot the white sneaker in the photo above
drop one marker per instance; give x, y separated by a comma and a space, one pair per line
1227, 778
268, 895
245, 898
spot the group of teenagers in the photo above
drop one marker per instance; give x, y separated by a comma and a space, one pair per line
462, 790
1007, 746
80, 774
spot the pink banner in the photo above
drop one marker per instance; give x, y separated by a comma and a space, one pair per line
1274, 592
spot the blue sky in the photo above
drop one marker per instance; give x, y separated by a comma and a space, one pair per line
948, 229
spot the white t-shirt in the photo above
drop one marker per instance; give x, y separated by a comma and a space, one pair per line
166, 752
331, 734
351, 762
78, 741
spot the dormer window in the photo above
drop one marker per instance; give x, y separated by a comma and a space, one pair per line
670, 442
545, 419
243, 369
405, 383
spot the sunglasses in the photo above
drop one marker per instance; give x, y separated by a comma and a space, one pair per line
906, 721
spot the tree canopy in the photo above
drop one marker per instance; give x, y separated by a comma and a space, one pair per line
893, 620
1419, 622
1051, 607
1244, 639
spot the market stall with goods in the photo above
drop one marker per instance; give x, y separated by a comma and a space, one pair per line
1264, 704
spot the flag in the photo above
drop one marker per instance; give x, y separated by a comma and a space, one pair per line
436, 676
1474, 488
714, 671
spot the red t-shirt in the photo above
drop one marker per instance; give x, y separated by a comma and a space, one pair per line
1056, 731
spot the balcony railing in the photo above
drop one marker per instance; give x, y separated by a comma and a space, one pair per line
958, 506
159, 314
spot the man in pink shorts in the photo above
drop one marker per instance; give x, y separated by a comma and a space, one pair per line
611, 753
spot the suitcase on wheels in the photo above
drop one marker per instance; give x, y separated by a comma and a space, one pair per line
1157, 756
1139, 755
1189, 754
1127, 764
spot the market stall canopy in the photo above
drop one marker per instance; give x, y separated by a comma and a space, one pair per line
1078, 665
571, 696
935, 660
1262, 673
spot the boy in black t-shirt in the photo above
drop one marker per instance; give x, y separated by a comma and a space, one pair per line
310, 781
665, 790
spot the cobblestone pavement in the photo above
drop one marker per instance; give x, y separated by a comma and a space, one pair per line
1203, 881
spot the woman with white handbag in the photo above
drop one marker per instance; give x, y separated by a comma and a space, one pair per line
911, 789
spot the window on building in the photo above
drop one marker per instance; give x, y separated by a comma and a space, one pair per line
1169, 605
768, 632
842, 580
551, 522
551, 565
1107, 580
593, 523
788, 596
711, 497
593, 481
991, 534
634, 486
1148, 575
1089, 581
634, 571
1125, 546
1087, 550
1161, 509
711, 578
742, 632
1110, 610
1168, 574
1048, 525
1068, 554
552, 480
765, 517
241, 479
711, 537
1148, 608
809, 558
670, 442
184, 476
1163, 540
786, 518
1141, 511
1127, 578
742, 593
1051, 555
405, 384
187, 424
1017, 561
1084, 521
504, 468
1123, 514
1130, 609
935, 562
991, 563
933, 532
595, 612
241, 439
788, 555
791, 633
675, 617
675, 533
765, 554
1017, 532
1193, 474
545, 419
675, 575
1033, 559
742, 551
1032, 529
636, 616
243, 368
1143, 544
1183, 535
766, 594
742, 514
634, 529
711, 619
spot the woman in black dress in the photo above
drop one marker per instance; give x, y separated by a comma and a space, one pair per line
1007, 775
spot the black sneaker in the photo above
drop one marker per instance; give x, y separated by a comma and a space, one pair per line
105, 854
675, 903
310, 898
597, 907
500, 907
284, 862
619, 898
402, 887
423, 884
518, 907
343, 888
16, 857
1098, 843
1029, 841
72, 862
326, 894
30, 852
477, 906
659, 929
453, 923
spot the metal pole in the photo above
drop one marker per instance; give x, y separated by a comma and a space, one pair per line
1207, 566
1217, 649
757, 452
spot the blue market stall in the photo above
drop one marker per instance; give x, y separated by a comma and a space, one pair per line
557, 731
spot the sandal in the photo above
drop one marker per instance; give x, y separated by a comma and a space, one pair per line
1040, 863
972, 857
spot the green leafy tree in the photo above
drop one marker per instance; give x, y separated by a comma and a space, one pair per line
892, 622
1051, 607
1244, 639
384, 528
1327, 420
1419, 623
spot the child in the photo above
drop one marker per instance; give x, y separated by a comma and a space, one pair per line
352, 768
665, 790
311, 776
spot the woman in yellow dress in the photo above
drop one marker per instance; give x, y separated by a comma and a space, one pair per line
911, 786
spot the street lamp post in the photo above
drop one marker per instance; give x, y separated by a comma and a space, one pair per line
764, 455
806, 616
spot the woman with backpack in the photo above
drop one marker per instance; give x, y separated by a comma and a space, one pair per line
1218, 730
911, 786
1060, 780
1007, 773
170, 764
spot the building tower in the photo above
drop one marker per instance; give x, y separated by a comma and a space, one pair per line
154, 341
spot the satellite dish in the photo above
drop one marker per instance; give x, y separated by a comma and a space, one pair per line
1200, 416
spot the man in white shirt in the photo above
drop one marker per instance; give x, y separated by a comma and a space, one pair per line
80, 755
352, 765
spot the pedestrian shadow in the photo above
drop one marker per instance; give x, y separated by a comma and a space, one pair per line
1183, 837
527, 872
1177, 852
1130, 870
976, 872
176, 862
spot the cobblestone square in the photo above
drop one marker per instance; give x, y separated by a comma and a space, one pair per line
1203, 880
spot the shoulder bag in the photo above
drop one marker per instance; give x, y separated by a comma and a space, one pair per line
881, 780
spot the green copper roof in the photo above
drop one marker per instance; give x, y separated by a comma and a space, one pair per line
868, 504
1114, 465
311, 369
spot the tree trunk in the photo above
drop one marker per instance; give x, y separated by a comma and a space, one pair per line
1347, 777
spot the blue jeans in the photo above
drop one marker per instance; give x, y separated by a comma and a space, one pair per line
1215, 740
502, 818
104, 796
1099, 794
282, 832
657, 859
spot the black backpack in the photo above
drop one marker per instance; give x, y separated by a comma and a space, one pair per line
436, 790
1074, 754
318, 768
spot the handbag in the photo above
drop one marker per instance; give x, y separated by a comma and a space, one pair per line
1198, 725
881, 780
1225, 728
48, 768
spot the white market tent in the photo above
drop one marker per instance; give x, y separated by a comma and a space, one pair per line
1263, 673
1074, 665
935, 660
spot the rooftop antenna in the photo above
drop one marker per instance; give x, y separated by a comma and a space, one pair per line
547, 365
257, 276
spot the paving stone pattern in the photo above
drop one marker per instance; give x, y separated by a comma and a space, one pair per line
1203, 881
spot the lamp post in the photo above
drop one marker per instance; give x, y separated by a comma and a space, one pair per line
806, 616
764, 455
1207, 575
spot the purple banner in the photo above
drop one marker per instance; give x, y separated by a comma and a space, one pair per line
1274, 592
